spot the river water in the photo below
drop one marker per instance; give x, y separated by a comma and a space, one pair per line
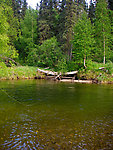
38, 114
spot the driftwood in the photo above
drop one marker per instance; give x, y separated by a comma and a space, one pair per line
101, 68
46, 72
71, 73
77, 81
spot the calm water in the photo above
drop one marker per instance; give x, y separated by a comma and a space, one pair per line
38, 114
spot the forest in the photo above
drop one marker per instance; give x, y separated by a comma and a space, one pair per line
63, 35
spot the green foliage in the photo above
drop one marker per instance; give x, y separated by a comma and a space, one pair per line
49, 53
94, 66
83, 42
109, 67
33, 57
62, 65
6, 47
28, 38
102, 31
2, 65
46, 55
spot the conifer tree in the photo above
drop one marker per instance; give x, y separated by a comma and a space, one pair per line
43, 25
67, 19
91, 12
83, 42
28, 37
47, 21
103, 29
69, 24
61, 23
24, 7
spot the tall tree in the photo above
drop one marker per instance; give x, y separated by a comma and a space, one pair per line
19, 8
61, 22
69, 24
24, 8
28, 37
6, 47
44, 28
103, 29
67, 19
48, 18
91, 11
83, 41
81, 5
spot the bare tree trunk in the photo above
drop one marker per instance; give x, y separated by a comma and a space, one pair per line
70, 52
104, 52
104, 61
84, 61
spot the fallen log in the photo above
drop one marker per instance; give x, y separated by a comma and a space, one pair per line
71, 73
47, 72
76, 81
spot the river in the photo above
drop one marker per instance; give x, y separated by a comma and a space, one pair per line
39, 114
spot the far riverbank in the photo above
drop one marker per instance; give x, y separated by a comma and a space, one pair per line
28, 72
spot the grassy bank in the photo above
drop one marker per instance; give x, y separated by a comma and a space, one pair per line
21, 72
97, 71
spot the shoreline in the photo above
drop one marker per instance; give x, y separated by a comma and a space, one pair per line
88, 81
62, 80
30, 73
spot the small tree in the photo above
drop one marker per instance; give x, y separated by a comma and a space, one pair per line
83, 40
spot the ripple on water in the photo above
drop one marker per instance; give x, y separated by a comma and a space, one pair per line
22, 136
84, 135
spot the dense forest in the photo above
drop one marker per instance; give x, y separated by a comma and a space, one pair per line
64, 35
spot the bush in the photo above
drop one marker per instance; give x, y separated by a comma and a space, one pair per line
109, 67
49, 53
62, 65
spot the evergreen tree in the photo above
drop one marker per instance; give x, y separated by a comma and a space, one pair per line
43, 25
24, 7
28, 37
61, 23
48, 18
19, 8
83, 42
67, 19
69, 24
91, 12
103, 30
81, 6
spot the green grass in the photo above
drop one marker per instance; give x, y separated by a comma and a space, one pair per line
21, 72
93, 72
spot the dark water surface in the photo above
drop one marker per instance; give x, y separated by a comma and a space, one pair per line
36, 114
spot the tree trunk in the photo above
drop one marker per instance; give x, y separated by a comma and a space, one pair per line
84, 61
104, 52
